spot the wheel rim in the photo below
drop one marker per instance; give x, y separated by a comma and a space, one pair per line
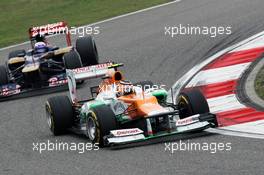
184, 107
49, 117
96, 53
91, 128
49, 120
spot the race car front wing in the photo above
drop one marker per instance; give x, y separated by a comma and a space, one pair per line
197, 122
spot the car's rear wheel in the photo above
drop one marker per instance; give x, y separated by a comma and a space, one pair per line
87, 49
3, 75
192, 102
17, 53
100, 121
72, 60
59, 112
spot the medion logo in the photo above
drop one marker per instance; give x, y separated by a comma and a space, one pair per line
185, 121
126, 132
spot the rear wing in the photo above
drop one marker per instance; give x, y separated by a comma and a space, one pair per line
84, 73
50, 29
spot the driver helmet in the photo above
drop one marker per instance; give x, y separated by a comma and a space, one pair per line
40, 47
40, 38
125, 88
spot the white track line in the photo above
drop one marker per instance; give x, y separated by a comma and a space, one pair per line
224, 103
256, 127
249, 129
107, 20
256, 130
218, 75
259, 42
179, 84
223, 131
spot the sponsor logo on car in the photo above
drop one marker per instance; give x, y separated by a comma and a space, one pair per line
91, 68
11, 92
187, 121
126, 132
56, 83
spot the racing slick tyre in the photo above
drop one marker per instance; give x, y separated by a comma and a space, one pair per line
72, 60
100, 121
192, 102
3, 75
17, 53
59, 112
87, 49
144, 84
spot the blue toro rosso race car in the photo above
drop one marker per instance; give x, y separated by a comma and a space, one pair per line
44, 66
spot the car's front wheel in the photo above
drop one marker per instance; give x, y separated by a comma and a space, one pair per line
192, 102
100, 121
59, 112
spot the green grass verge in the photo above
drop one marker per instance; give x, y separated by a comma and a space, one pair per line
16, 16
259, 83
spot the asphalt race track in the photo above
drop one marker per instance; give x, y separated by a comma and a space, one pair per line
139, 41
